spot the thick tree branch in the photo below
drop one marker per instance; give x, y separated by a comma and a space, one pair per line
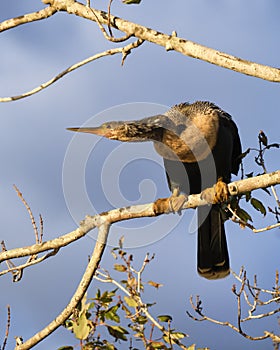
78, 295
103, 222
161, 206
170, 42
254, 183
27, 18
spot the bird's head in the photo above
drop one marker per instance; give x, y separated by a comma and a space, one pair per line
115, 130
147, 129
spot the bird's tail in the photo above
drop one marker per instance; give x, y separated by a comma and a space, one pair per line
212, 252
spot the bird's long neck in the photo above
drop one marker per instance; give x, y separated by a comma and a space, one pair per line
137, 132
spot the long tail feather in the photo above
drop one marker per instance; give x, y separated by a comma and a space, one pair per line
212, 252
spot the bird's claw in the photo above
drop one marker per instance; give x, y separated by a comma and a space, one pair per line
176, 201
217, 194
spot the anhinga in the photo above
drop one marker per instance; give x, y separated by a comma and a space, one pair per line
199, 143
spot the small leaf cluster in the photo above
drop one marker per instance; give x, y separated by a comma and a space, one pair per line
120, 314
256, 204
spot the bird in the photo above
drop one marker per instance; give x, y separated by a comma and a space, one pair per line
200, 146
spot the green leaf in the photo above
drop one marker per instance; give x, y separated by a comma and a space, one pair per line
91, 305
130, 301
248, 196
120, 268
129, 2
82, 327
172, 337
242, 214
117, 332
106, 297
141, 319
150, 304
258, 205
111, 314
164, 318
178, 335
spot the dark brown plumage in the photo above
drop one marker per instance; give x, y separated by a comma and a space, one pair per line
199, 143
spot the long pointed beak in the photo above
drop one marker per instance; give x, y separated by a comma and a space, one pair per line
101, 131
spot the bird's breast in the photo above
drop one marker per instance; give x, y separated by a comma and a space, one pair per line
193, 144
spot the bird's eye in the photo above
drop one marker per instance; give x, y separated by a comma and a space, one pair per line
108, 126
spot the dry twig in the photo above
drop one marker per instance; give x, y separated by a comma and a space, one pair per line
120, 50
133, 291
246, 289
8, 324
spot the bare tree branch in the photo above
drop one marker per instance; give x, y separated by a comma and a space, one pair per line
133, 291
122, 50
103, 222
254, 183
159, 207
8, 324
79, 293
27, 18
253, 291
33, 222
17, 270
274, 338
59, 242
170, 42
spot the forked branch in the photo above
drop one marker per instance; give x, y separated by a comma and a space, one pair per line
251, 294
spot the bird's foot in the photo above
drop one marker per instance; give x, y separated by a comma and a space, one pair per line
172, 204
217, 194
177, 200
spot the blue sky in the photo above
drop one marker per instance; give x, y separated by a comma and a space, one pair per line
35, 148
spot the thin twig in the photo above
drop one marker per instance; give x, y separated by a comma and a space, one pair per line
221, 323
106, 36
255, 291
141, 305
238, 220
29, 263
33, 222
169, 42
172, 42
8, 324
16, 272
122, 50
259, 316
41, 228
260, 159
253, 287
109, 17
